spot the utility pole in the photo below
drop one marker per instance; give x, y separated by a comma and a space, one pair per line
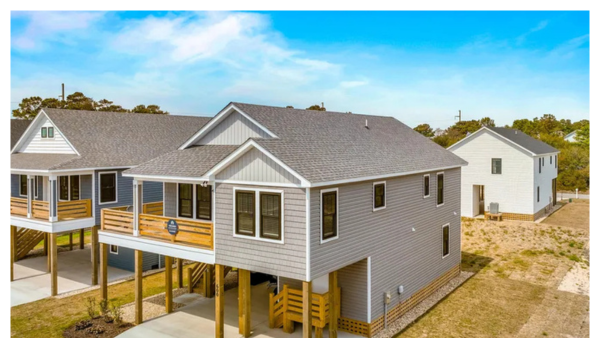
63, 92
459, 116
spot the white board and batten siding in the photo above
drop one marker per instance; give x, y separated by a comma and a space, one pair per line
36, 144
543, 180
235, 129
255, 166
513, 189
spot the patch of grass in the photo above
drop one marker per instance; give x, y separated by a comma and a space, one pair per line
49, 317
63, 240
574, 258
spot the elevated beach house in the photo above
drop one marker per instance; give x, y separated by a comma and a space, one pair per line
356, 216
508, 167
67, 166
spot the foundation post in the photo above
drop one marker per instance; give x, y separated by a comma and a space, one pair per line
138, 287
334, 304
306, 309
244, 299
168, 284
104, 271
53, 265
94, 255
179, 273
219, 301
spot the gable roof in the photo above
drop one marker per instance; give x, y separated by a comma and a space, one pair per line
111, 139
516, 137
326, 147
570, 134
17, 128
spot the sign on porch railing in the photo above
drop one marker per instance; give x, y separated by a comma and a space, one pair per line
172, 227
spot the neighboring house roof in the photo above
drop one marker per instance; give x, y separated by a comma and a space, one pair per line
110, 139
515, 137
17, 128
324, 146
570, 135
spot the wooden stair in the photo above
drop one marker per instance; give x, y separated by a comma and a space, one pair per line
197, 279
26, 240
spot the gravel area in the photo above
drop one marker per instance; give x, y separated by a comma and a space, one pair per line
152, 306
415, 313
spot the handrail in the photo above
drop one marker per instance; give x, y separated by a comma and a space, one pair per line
191, 232
287, 305
74, 209
18, 206
116, 220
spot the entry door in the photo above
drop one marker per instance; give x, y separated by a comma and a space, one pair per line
481, 199
554, 191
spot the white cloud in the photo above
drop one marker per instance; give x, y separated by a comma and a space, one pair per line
353, 84
49, 26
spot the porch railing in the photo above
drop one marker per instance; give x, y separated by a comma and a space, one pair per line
117, 220
67, 210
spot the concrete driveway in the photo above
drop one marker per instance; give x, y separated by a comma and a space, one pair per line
32, 282
197, 319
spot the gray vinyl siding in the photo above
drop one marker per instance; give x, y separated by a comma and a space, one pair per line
399, 255
125, 260
153, 191
255, 166
285, 260
292, 283
233, 130
14, 185
85, 182
124, 192
352, 281
170, 201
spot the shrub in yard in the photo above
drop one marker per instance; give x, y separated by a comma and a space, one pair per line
117, 314
84, 324
90, 305
95, 330
104, 307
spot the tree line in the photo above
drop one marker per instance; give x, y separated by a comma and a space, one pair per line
29, 107
573, 159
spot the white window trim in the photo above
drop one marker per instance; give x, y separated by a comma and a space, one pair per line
496, 158
36, 186
42, 133
384, 195
423, 186
48, 132
27, 179
444, 226
194, 202
111, 251
437, 188
100, 187
337, 219
256, 236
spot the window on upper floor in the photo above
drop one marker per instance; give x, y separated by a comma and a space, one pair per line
245, 208
496, 166
69, 188
204, 202
50, 132
36, 186
425, 185
185, 200
445, 240
44, 132
23, 185
329, 214
543, 161
63, 188
540, 165
108, 187
550, 159
378, 195
538, 193
259, 214
555, 161
74, 188
440, 189
270, 215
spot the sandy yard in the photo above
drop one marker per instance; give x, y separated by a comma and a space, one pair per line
532, 280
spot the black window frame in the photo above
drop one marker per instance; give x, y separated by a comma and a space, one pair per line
203, 196
262, 216
335, 215
440, 194
44, 132
538, 193
426, 186
50, 132
555, 161
540, 165
550, 159
251, 211
21, 186
101, 188
445, 240
494, 167
190, 199
36, 185
73, 178
63, 195
383, 195
114, 252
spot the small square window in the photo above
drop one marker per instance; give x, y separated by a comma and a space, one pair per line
50, 132
44, 132
114, 249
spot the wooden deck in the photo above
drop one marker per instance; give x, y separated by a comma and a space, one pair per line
40, 210
193, 233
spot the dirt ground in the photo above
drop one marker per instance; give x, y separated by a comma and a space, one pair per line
532, 280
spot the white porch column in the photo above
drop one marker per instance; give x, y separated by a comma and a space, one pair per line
138, 202
52, 198
30, 183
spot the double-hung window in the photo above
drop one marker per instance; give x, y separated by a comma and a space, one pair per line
23, 185
203, 202
270, 215
194, 201
496, 166
69, 188
440, 189
445, 240
245, 208
425, 185
186, 201
378, 195
63, 188
540, 165
259, 214
329, 214
108, 187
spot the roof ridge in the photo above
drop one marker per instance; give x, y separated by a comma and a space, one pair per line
312, 111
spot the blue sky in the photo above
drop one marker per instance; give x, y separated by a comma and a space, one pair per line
420, 67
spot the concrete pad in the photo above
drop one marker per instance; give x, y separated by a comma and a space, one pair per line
32, 282
198, 320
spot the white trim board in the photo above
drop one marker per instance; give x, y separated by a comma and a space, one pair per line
337, 215
100, 188
230, 108
257, 210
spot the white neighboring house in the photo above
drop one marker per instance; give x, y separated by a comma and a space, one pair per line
508, 167
570, 137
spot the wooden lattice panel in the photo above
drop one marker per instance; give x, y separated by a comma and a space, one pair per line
354, 326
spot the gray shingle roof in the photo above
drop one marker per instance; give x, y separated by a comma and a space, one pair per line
330, 146
109, 139
39, 161
17, 128
535, 146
